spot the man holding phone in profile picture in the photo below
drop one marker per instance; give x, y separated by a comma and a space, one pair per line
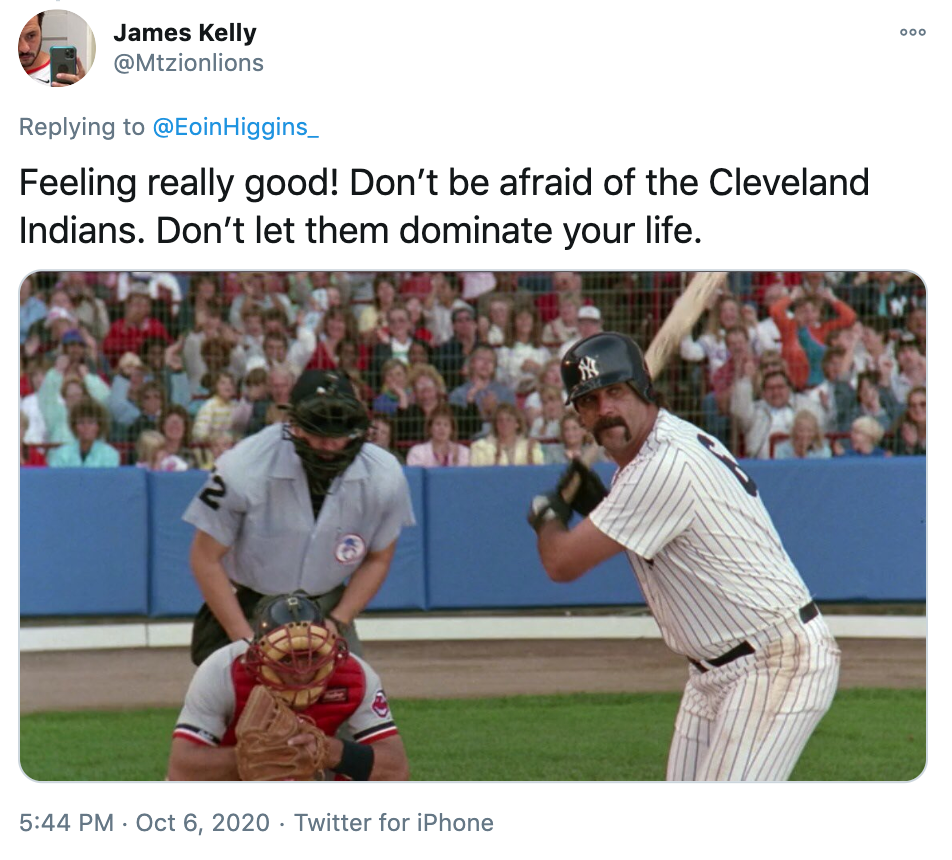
36, 62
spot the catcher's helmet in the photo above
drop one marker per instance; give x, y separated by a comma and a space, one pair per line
276, 611
605, 359
292, 652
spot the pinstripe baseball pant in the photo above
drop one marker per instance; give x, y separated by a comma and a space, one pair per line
750, 719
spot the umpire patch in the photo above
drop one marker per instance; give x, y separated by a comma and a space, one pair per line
350, 548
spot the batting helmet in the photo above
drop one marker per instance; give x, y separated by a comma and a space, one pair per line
292, 652
605, 359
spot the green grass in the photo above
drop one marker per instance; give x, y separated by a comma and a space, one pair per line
867, 735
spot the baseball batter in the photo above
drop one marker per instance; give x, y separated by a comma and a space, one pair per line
299, 506
305, 674
763, 664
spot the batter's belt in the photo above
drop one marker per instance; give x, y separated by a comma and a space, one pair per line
208, 635
807, 614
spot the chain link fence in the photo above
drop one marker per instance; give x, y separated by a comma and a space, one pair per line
634, 303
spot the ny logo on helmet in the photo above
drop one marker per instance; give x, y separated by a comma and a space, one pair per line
588, 367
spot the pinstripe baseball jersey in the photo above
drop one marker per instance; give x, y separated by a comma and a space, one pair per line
700, 541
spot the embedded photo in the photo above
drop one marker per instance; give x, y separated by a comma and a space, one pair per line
469, 526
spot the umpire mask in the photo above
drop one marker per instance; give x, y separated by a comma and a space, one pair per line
323, 403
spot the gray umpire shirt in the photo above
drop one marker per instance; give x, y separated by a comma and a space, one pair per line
257, 503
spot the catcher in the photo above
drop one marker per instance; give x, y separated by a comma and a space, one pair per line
268, 710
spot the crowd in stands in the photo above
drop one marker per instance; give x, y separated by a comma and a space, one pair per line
166, 371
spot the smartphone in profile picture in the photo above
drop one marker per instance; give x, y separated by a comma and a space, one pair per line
62, 61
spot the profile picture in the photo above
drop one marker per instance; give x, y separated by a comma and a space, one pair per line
57, 48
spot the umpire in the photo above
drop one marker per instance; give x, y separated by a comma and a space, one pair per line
304, 506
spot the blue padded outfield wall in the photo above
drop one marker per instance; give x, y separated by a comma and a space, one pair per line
112, 542
84, 542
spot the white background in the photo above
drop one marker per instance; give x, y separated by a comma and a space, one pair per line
491, 88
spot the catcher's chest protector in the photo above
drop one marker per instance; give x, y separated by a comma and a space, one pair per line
344, 693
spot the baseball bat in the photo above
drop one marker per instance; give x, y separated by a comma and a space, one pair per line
686, 312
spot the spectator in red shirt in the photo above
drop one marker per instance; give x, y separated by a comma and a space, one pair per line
418, 285
803, 336
127, 334
336, 327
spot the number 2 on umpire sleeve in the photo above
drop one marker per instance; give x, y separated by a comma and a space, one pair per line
745, 480
211, 493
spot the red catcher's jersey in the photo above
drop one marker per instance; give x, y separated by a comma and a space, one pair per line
343, 696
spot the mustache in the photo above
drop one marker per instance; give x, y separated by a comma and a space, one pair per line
604, 424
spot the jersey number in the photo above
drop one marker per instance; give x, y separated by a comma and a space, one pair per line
211, 493
745, 480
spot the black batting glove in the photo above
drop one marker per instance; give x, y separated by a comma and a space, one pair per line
590, 492
548, 507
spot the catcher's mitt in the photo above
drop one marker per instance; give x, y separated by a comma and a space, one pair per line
263, 731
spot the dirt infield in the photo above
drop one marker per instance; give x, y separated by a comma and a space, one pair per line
138, 678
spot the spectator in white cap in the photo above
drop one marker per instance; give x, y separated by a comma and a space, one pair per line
59, 321
589, 323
